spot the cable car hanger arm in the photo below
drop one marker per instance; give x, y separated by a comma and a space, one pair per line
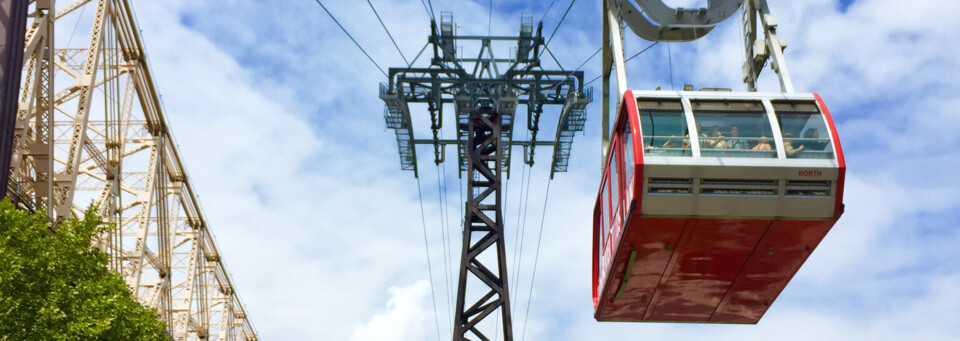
673, 24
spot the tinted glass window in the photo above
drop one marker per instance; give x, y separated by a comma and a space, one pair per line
628, 160
664, 129
614, 180
733, 129
606, 208
805, 134
602, 242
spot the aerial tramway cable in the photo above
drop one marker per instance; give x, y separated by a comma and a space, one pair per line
670, 60
444, 225
418, 54
442, 180
521, 227
627, 60
426, 243
554, 58
525, 188
428, 9
490, 23
548, 10
351, 38
555, 29
77, 25
585, 61
559, 23
641, 51
419, 191
388, 32
536, 259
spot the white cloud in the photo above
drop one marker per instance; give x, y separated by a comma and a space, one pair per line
279, 123
407, 317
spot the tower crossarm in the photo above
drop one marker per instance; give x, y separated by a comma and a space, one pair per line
531, 88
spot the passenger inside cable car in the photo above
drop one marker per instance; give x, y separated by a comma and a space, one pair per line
737, 142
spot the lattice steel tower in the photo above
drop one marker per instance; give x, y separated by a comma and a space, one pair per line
88, 126
485, 101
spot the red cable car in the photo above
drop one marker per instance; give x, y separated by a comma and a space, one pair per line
710, 226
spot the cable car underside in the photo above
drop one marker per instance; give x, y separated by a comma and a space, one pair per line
704, 270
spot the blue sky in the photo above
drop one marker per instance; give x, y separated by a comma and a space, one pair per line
277, 116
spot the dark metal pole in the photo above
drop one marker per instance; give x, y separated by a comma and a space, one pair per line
13, 24
483, 229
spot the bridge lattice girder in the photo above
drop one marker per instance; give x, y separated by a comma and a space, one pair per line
90, 128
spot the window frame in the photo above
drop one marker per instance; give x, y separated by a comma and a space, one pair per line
616, 178
811, 108
628, 146
661, 105
605, 221
760, 107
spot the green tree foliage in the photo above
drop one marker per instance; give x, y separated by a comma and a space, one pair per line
54, 286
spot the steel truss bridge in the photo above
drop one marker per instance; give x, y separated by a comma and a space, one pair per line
88, 126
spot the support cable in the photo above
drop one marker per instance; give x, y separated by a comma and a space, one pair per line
535, 259
432, 13
584, 63
388, 32
444, 234
446, 206
670, 60
489, 27
554, 58
429, 12
517, 241
463, 217
426, 243
560, 23
351, 38
548, 10
75, 26
506, 203
523, 227
587, 60
641, 51
418, 55
627, 60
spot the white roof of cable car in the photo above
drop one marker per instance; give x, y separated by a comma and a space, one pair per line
721, 94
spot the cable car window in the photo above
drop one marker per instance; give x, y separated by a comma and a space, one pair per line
805, 134
664, 128
628, 160
614, 181
600, 239
605, 228
733, 129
